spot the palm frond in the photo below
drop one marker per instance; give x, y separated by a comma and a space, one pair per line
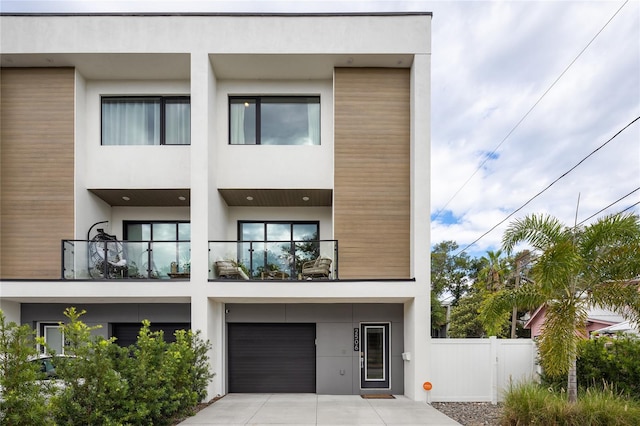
496, 308
540, 231
561, 331
556, 267
610, 233
622, 297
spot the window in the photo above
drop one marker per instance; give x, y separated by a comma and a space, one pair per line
167, 243
278, 246
274, 120
53, 337
153, 120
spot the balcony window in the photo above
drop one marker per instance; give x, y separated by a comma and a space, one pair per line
155, 120
278, 246
169, 244
274, 120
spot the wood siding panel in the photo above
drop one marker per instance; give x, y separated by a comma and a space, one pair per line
372, 172
36, 170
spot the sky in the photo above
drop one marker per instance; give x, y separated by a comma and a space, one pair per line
521, 93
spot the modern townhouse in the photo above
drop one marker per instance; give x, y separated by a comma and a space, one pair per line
261, 178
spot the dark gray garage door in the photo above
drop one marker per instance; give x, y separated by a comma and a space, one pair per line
272, 358
127, 333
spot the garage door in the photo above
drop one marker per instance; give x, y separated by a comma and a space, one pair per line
127, 333
272, 358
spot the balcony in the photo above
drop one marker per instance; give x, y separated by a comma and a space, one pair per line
273, 260
228, 260
114, 259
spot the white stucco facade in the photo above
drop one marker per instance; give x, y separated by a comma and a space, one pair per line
209, 58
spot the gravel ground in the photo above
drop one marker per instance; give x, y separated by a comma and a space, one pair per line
471, 413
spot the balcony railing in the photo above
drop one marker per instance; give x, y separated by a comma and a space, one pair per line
86, 260
235, 260
273, 260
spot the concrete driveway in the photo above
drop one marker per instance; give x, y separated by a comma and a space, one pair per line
311, 409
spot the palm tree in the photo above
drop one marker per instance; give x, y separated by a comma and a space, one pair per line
577, 268
493, 269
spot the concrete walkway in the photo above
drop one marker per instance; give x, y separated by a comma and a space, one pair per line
311, 409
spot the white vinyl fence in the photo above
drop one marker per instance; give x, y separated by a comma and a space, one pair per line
477, 370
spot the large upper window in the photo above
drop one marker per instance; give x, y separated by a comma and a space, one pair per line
148, 120
274, 120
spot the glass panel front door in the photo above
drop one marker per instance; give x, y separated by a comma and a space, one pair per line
374, 356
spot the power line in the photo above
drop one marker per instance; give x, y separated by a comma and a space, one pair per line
616, 201
531, 257
490, 155
549, 186
630, 207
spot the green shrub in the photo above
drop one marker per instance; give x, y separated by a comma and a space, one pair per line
167, 380
187, 362
609, 361
605, 363
94, 392
23, 399
533, 404
150, 383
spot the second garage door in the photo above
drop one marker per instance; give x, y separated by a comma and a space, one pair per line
272, 358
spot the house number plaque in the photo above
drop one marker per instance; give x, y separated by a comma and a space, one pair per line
356, 340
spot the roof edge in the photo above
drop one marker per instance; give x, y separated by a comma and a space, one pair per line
209, 14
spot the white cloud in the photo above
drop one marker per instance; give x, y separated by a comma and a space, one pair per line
491, 62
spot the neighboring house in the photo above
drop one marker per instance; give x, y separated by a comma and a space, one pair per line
219, 154
597, 318
624, 327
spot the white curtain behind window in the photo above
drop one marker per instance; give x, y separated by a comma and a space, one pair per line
131, 123
313, 113
178, 123
237, 124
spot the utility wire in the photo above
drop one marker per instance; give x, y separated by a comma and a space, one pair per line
532, 257
549, 186
616, 201
630, 207
490, 155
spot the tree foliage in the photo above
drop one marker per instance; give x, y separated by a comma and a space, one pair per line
451, 276
149, 383
451, 273
23, 399
606, 362
577, 268
464, 317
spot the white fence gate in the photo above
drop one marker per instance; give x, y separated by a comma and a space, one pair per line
477, 370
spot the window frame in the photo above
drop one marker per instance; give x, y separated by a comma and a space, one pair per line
258, 99
42, 332
126, 223
266, 241
163, 101
176, 256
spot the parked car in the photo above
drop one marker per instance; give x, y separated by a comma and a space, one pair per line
47, 366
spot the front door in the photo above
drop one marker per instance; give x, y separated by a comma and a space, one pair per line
374, 356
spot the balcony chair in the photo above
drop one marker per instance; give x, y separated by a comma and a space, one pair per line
319, 268
229, 269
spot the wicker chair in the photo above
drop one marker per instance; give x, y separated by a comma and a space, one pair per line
229, 269
319, 268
